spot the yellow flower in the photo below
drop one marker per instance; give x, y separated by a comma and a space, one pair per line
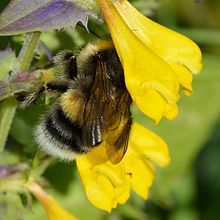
107, 184
156, 60
53, 209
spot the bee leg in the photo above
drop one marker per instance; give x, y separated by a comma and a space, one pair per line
56, 86
32, 97
53, 86
67, 61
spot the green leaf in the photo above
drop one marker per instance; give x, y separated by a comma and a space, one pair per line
19, 15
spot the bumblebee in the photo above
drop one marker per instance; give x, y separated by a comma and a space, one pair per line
92, 108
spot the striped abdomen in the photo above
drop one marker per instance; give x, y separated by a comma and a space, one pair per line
60, 135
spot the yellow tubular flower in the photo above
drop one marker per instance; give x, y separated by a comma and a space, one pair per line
53, 209
107, 185
155, 59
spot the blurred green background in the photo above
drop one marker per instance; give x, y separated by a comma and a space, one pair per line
189, 188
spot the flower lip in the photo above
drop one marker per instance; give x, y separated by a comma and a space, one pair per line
108, 184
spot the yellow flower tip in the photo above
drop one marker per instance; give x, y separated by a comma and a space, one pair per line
172, 112
53, 209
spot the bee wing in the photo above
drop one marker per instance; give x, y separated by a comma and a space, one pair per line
96, 104
107, 116
118, 127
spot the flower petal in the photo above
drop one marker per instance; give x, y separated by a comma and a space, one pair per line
98, 188
148, 144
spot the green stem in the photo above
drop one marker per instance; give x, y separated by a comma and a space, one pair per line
27, 52
8, 107
7, 112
